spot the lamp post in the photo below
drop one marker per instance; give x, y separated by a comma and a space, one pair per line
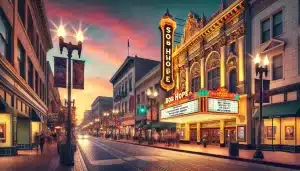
151, 94
260, 69
97, 120
115, 112
69, 160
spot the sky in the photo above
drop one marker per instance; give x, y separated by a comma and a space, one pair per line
109, 24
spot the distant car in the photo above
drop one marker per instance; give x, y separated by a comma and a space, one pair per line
82, 135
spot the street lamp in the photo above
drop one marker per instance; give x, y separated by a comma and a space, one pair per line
97, 120
260, 69
70, 48
152, 94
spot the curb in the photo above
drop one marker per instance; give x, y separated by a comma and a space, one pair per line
290, 166
81, 160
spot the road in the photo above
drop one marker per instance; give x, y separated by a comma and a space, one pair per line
106, 155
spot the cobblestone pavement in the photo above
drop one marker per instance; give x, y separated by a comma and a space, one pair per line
30, 160
104, 155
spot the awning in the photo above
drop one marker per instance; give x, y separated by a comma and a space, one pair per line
4, 108
35, 116
286, 109
161, 125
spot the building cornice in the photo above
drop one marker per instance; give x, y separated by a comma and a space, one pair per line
127, 60
229, 13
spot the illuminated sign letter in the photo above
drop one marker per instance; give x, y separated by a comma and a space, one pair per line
167, 27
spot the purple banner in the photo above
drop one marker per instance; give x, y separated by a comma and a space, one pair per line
78, 74
266, 87
60, 72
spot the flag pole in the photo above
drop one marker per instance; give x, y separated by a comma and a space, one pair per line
128, 46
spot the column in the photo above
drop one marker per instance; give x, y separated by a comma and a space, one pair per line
198, 132
222, 66
177, 79
202, 72
241, 59
187, 73
222, 133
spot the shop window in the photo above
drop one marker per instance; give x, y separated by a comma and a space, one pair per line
265, 31
21, 59
232, 81
277, 24
5, 36
277, 67
214, 78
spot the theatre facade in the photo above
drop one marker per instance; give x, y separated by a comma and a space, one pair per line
210, 98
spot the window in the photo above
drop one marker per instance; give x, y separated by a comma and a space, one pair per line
21, 10
36, 82
143, 98
138, 100
30, 26
232, 81
30, 73
37, 43
5, 37
126, 86
21, 59
277, 68
265, 32
214, 78
232, 48
130, 84
195, 84
125, 106
277, 24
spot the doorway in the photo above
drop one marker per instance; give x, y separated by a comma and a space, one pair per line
193, 135
212, 134
230, 135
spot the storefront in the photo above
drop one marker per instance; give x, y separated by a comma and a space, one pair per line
127, 128
281, 122
218, 115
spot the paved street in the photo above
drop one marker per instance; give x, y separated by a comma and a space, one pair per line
103, 155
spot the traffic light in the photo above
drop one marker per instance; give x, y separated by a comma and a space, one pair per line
142, 110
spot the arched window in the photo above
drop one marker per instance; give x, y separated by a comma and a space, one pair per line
195, 76
232, 80
213, 71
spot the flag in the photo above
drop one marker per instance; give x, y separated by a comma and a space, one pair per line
128, 43
60, 72
78, 74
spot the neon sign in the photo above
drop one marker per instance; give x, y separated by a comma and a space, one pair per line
222, 93
176, 96
167, 27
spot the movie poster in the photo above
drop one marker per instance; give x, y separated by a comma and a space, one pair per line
78, 74
289, 133
270, 134
241, 133
60, 72
2, 133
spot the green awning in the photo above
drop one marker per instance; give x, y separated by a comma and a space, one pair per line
161, 125
286, 109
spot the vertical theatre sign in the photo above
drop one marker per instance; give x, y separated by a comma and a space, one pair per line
60, 72
167, 27
78, 74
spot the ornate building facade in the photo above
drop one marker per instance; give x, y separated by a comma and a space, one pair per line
209, 63
24, 41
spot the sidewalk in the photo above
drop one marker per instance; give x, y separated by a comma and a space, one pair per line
276, 158
29, 160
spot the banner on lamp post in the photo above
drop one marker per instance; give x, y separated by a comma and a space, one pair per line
78, 74
266, 87
60, 72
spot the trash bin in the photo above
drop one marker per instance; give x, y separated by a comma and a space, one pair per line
233, 149
63, 154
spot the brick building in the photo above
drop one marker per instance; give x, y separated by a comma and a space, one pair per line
24, 41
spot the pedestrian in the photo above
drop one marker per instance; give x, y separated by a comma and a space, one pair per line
42, 142
177, 139
36, 142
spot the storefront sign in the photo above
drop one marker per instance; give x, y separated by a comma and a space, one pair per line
167, 27
176, 96
221, 92
182, 109
223, 106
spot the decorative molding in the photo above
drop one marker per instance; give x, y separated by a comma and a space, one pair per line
272, 45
